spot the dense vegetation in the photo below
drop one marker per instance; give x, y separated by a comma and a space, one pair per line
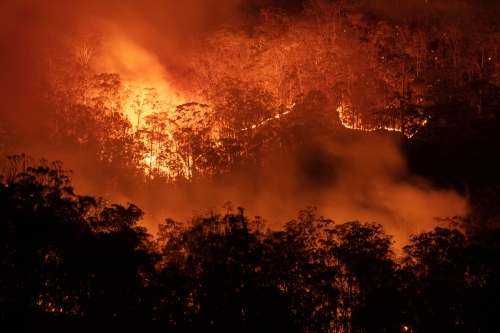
431, 72
72, 263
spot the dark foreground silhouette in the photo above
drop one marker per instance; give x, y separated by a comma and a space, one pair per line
72, 263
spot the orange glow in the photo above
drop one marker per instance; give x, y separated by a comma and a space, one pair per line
278, 116
357, 125
141, 71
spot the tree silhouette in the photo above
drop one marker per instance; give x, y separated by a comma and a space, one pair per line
66, 258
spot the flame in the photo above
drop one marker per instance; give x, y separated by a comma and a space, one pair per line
357, 125
146, 91
152, 163
142, 71
278, 116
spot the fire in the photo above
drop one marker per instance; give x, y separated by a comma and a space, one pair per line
172, 138
149, 102
145, 102
278, 116
143, 98
357, 125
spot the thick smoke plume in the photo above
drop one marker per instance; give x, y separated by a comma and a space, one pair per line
364, 179
154, 32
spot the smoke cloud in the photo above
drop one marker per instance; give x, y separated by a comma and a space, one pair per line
155, 31
364, 178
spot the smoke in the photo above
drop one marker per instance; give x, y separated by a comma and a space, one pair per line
157, 31
413, 9
360, 177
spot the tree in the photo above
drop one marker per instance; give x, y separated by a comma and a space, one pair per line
221, 257
41, 220
194, 139
363, 255
142, 100
437, 263
67, 258
242, 114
